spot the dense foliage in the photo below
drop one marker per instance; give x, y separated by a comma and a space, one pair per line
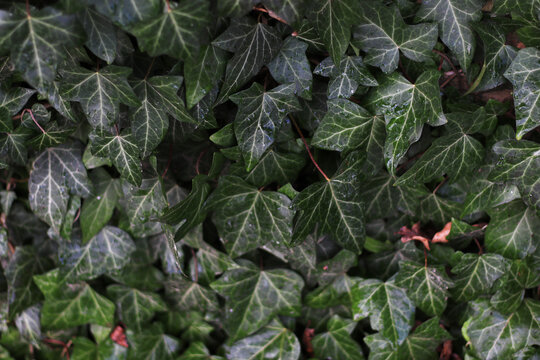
270, 179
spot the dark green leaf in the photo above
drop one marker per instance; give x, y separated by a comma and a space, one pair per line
337, 343
101, 35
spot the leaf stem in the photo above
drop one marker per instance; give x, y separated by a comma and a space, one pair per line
168, 5
28, 8
480, 251
439, 186
169, 159
307, 148
196, 264
149, 68
33, 119
445, 57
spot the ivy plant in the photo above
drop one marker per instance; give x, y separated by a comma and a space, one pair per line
270, 179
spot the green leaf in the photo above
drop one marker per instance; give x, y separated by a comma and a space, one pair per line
406, 107
66, 307
475, 275
255, 296
289, 10
337, 343
234, 8
347, 126
176, 32
496, 336
197, 351
29, 326
123, 153
272, 339
333, 20
14, 145
335, 207
99, 93
36, 41
188, 295
259, 117
497, 55
57, 173
427, 286
202, 73
109, 250
276, 167
291, 65
346, 78
337, 292
15, 98
455, 18
248, 218
524, 74
388, 306
22, 292
519, 165
257, 46
152, 343
127, 12
513, 230
98, 209
101, 35
382, 33
136, 307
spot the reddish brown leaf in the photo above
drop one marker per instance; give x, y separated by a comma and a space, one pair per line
440, 237
413, 234
308, 335
118, 335
446, 352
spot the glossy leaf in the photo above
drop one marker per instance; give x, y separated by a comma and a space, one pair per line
337, 343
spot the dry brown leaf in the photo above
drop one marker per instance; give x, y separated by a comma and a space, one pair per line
413, 234
440, 237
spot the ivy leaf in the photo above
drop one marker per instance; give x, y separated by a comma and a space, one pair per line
524, 74
388, 306
36, 41
292, 66
421, 344
337, 343
382, 33
427, 286
289, 10
257, 46
22, 292
333, 20
347, 126
337, 292
513, 230
497, 55
189, 295
143, 204
197, 351
67, 307
258, 218
101, 35
99, 92
475, 275
176, 32
234, 8
519, 165
152, 343
455, 18
255, 296
57, 173
126, 12
202, 73
406, 107
495, 336
334, 206
260, 115
14, 99
276, 167
271, 339
123, 152
346, 78
14, 145
98, 209
109, 250
29, 326
136, 307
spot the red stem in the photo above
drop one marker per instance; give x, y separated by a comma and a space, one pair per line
199, 161
149, 68
443, 55
439, 186
168, 162
168, 5
34, 119
196, 264
307, 148
28, 8
480, 251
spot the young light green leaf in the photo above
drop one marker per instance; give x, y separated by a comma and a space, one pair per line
388, 306
255, 296
427, 286
259, 117
406, 107
247, 218
455, 18
176, 32
382, 33
57, 173
337, 343
524, 74
292, 66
